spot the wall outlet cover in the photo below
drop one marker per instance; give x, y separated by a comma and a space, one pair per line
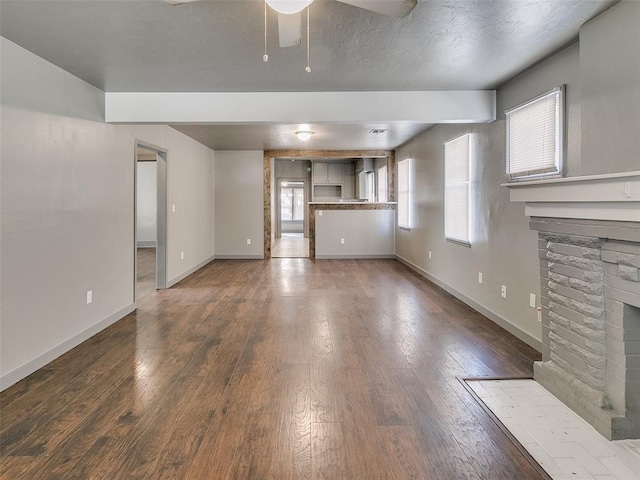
479, 277
248, 241
532, 300
89, 296
503, 291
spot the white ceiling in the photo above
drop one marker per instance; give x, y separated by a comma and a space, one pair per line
217, 46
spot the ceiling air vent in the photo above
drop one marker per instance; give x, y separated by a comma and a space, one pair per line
378, 131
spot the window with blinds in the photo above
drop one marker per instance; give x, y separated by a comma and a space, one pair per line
457, 164
404, 193
534, 136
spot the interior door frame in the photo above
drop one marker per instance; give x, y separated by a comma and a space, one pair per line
161, 214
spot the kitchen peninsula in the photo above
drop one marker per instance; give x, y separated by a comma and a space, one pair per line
352, 230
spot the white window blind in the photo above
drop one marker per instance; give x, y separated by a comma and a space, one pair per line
404, 193
534, 136
382, 183
457, 153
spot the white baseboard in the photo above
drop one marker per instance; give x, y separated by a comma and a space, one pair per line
240, 257
194, 269
146, 244
355, 257
503, 322
28, 368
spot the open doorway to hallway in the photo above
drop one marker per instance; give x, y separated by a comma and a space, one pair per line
146, 220
150, 219
292, 216
291, 222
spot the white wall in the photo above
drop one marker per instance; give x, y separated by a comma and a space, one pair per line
146, 208
503, 247
190, 172
366, 234
239, 203
68, 211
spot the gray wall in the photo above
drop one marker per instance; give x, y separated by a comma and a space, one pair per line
239, 204
366, 233
68, 211
503, 247
146, 209
610, 68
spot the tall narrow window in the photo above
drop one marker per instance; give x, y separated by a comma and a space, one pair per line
535, 136
404, 194
457, 154
382, 183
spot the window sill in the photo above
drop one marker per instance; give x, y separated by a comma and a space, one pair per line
459, 242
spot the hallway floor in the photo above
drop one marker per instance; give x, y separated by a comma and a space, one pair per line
273, 370
290, 245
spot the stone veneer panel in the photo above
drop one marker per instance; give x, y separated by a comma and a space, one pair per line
590, 287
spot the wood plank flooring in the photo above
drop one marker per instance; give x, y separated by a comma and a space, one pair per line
281, 369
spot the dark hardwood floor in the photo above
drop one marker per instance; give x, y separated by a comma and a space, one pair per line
272, 370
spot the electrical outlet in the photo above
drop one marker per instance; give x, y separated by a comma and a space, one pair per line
181, 255
89, 296
173, 208
532, 300
342, 241
539, 312
479, 277
248, 241
503, 291
429, 254
319, 213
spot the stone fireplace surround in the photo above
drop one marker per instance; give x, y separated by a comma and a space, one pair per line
589, 250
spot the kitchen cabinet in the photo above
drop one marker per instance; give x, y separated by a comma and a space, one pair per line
349, 181
326, 173
334, 173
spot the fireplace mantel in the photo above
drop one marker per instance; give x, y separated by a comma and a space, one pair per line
589, 249
614, 196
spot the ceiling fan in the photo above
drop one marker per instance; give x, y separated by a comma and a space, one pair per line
290, 13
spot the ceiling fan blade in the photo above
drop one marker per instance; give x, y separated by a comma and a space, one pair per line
290, 29
392, 8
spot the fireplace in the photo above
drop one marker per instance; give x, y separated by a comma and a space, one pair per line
589, 249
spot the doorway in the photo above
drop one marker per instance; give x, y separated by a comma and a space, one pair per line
291, 231
150, 219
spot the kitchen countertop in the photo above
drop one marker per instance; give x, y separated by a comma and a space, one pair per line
353, 203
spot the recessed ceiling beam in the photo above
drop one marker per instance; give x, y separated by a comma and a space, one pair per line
475, 106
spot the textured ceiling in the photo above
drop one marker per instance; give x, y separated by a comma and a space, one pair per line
216, 45
147, 45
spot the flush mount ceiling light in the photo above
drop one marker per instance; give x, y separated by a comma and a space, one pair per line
304, 135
